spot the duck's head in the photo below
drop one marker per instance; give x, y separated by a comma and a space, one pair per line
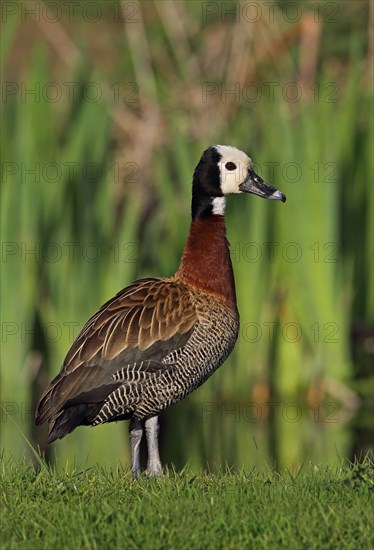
223, 170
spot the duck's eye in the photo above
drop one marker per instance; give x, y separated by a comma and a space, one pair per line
230, 166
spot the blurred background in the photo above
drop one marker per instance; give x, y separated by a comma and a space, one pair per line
106, 109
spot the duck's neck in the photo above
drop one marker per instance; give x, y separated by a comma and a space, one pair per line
206, 262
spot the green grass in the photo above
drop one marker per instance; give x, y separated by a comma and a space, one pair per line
315, 507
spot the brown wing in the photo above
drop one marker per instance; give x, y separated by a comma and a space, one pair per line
141, 325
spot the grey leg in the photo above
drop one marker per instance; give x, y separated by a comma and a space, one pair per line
154, 467
136, 433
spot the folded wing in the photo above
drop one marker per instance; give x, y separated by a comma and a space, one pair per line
118, 351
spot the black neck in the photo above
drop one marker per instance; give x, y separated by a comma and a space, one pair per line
205, 185
202, 207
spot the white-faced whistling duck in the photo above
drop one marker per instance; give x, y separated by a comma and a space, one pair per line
159, 339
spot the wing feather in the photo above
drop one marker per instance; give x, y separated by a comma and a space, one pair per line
144, 322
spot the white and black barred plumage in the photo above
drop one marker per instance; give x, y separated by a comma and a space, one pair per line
146, 392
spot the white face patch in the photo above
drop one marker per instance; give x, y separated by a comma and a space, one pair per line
233, 166
219, 204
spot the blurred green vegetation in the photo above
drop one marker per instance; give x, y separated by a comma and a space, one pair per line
104, 116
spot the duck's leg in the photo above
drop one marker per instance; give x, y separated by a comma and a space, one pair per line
154, 467
136, 429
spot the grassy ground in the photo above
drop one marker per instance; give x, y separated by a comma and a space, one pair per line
315, 508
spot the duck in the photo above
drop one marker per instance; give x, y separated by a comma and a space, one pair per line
159, 339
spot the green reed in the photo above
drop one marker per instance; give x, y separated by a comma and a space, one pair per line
302, 269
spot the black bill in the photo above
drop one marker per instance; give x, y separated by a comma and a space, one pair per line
257, 186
